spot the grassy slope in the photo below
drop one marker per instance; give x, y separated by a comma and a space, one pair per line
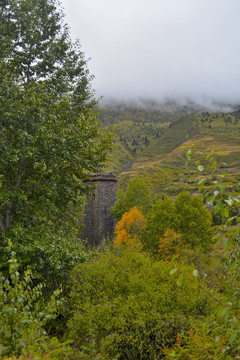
161, 160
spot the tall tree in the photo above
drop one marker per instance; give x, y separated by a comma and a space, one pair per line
187, 215
50, 136
193, 220
137, 194
159, 219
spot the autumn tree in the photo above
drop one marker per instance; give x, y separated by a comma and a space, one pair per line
137, 194
49, 136
169, 245
129, 229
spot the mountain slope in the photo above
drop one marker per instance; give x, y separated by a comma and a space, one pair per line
150, 143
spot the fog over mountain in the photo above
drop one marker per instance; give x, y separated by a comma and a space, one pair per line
158, 49
170, 104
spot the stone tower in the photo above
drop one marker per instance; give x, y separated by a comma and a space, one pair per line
98, 219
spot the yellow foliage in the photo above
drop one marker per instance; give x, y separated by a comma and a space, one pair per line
129, 229
170, 244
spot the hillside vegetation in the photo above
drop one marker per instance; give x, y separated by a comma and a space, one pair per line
152, 143
166, 285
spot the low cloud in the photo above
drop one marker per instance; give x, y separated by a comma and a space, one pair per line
157, 49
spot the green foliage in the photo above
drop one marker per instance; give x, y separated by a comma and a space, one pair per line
159, 219
159, 161
222, 193
187, 216
137, 194
220, 125
135, 128
50, 137
24, 316
193, 220
159, 178
130, 306
219, 337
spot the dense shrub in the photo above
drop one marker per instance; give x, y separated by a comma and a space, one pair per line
132, 305
25, 316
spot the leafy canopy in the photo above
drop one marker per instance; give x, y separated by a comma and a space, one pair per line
130, 305
129, 229
137, 194
24, 316
187, 215
193, 220
159, 219
50, 136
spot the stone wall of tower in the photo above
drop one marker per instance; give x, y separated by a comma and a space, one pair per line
98, 219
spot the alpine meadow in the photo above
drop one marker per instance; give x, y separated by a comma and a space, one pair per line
165, 283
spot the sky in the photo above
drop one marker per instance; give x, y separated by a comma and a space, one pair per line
159, 49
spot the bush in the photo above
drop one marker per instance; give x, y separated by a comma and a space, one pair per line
133, 306
24, 315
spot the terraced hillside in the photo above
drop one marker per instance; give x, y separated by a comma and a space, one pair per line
152, 143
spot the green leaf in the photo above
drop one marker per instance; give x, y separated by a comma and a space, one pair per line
202, 181
180, 280
218, 205
210, 199
229, 201
188, 154
200, 168
223, 188
232, 266
223, 311
195, 272
216, 237
227, 244
225, 212
172, 354
234, 322
173, 271
233, 337
229, 220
